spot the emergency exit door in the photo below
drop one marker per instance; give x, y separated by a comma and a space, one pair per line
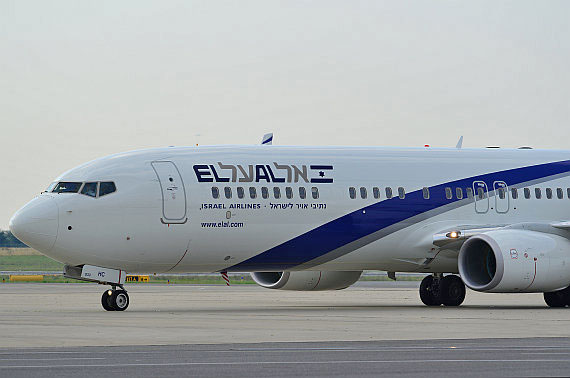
501, 196
173, 192
481, 197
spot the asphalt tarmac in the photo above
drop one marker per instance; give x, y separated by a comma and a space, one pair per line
371, 329
442, 358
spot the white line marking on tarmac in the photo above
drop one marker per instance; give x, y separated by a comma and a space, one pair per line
316, 349
53, 359
332, 349
275, 363
396, 349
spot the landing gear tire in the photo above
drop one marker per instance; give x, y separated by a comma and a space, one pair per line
558, 299
106, 300
120, 300
115, 300
429, 292
452, 291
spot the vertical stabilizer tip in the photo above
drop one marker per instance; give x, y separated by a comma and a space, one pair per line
459, 142
267, 139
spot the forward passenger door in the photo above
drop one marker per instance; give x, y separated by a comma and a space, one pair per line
173, 192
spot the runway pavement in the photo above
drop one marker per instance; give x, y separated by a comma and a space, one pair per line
370, 329
441, 358
33, 315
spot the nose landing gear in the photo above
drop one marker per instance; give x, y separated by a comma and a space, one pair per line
115, 300
112, 299
438, 290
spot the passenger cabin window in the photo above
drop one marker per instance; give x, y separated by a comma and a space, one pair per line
289, 192
376, 192
107, 187
388, 192
459, 193
401, 193
215, 192
67, 187
352, 192
265, 192
425, 192
363, 193
448, 193
548, 193
469, 192
315, 192
514, 193
502, 194
228, 192
559, 193
481, 193
302, 192
527, 193
537, 193
90, 189
568, 193
240, 192
252, 192
276, 192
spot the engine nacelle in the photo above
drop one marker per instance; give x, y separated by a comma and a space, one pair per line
306, 280
507, 261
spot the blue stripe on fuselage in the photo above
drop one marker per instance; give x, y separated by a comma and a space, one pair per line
377, 216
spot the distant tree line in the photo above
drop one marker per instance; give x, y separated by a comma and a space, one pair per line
7, 240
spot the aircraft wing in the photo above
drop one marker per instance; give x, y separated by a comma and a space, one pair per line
564, 225
451, 238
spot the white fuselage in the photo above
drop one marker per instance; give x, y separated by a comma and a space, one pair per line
163, 216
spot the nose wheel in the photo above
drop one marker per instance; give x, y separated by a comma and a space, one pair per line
115, 300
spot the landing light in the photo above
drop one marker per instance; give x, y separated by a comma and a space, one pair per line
453, 234
110, 292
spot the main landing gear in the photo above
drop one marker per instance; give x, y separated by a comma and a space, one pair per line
560, 298
115, 300
438, 290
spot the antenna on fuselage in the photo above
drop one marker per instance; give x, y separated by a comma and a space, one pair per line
459, 142
267, 139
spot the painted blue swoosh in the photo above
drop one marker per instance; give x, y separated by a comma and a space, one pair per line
356, 225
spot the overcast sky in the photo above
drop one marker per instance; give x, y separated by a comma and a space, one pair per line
84, 79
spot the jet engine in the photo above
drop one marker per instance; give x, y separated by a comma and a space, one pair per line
506, 261
306, 280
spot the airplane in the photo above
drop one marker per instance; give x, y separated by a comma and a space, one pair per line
313, 218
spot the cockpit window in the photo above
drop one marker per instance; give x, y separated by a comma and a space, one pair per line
90, 189
106, 188
67, 187
51, 186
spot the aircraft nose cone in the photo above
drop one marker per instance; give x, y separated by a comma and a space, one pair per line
36, 223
